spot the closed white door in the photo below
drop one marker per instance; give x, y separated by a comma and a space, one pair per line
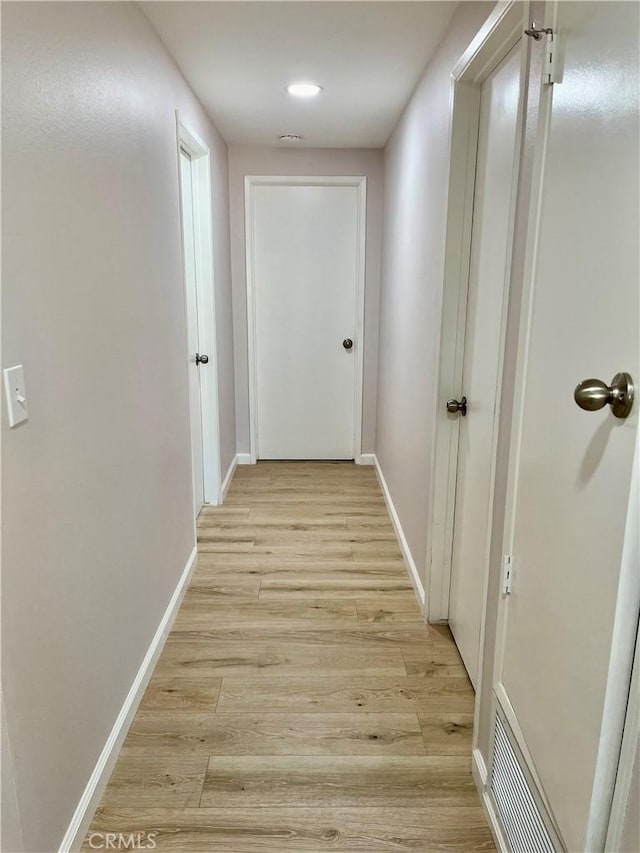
571, 468
195, 396
305, 262
483, 352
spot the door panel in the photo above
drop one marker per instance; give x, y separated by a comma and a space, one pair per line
573, 467
483, 350
305, 269
195, 398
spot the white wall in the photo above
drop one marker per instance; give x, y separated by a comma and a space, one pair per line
415, 208
306, 161
97, 485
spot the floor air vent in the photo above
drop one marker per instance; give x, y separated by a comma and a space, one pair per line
521, 818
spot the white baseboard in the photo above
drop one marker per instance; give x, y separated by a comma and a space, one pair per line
81, 820
479, 770
494, 824
365, 459
480, 777
228, 478
244, 459
402, 539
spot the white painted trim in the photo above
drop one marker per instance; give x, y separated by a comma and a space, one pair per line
251, 319
402, 539
494, 824
617, 714
360, 182
203, 233
365, 459
81, 820
622, 791
228, 477
245, 459
486, 49
481, 779
479, 770
496, 38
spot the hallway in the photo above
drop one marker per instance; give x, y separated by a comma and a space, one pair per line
300, 702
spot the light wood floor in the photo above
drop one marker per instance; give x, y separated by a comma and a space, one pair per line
300, 703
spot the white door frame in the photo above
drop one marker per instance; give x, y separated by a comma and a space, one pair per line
188, 140
495, 39
623, 790
250, 182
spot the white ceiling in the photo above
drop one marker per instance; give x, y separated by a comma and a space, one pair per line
239, 56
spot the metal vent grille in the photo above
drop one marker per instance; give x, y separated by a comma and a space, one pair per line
521, 818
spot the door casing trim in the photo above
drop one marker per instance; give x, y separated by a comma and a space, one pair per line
360, 182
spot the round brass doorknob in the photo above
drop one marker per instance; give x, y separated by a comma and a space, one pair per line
594, 394
347, 343
457, 406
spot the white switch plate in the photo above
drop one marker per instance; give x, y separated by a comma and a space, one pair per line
16, 395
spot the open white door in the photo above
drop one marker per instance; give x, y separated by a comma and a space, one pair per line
486, 302
197, 245
568, 624
191, 295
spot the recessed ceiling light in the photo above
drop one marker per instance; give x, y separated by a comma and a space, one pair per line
290, 137
304, 90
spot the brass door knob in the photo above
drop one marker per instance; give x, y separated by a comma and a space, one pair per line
594, 394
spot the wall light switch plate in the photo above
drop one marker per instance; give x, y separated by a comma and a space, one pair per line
16, 395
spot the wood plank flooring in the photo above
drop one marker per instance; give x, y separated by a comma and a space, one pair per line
300, 703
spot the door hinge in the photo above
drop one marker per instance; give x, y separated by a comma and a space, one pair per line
551, 48
507, 574
549, 71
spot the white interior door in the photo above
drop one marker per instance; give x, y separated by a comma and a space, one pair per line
483, 352
572, 468
305, 265
195, 395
